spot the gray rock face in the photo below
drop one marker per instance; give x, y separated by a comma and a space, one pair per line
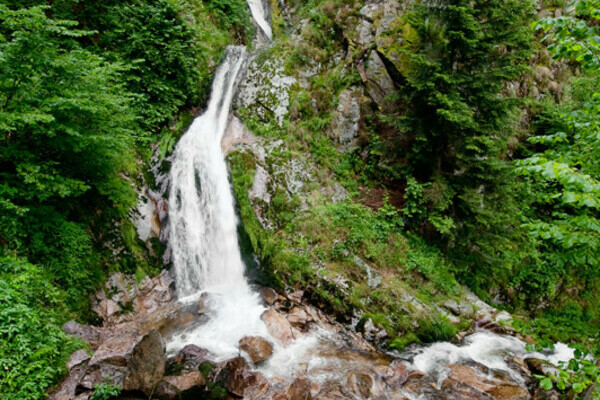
379, 83
77, 365
266, 89
89, 334
346, 118
132, 362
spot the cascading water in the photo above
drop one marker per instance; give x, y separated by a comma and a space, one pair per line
203, 235
257, 9
209, 268
202, 219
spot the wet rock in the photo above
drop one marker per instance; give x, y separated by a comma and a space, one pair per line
465, 382
235, 133
134, 362
488, 324
257, 348
89, 334
278, 326
187, 359
399, 374
184, 386
299, 390
420, 385
264, 391
359, 384
298, 317
236, 376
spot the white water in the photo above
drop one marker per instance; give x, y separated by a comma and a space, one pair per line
484, 347
202, 219
203, 224
207, 259
257, 9
203, 235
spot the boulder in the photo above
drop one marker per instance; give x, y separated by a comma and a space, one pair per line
236, 376
77, 366
257, 348
277, 326
379, 83
541, 367
89, 334
420, 385
187, 359
299, 390
182, 386
134, 362
346, 118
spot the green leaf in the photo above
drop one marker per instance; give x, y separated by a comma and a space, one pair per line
546, 384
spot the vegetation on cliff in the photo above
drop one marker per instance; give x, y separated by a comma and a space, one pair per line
436, 145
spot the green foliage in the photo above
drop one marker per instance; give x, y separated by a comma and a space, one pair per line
436, 329
575, 37
33, 348
562, 165
581, 374
456, 59
105, 391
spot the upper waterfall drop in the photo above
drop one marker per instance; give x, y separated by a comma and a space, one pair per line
259, 14
203, 225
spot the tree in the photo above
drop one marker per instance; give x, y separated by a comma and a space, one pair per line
66, 130
457, 57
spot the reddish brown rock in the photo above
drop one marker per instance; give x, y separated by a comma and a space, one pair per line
399, 374
257, 348
300, 390
236, 376
77, 358
278, 326
359, 385
130, 361
271, 296
421, 385
77, 366
467, 383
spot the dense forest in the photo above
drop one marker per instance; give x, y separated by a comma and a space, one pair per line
478, 168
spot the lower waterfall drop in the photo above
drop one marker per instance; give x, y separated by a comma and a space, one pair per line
203, 226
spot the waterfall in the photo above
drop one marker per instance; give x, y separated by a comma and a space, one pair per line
203, 226
257, 9
203, 234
